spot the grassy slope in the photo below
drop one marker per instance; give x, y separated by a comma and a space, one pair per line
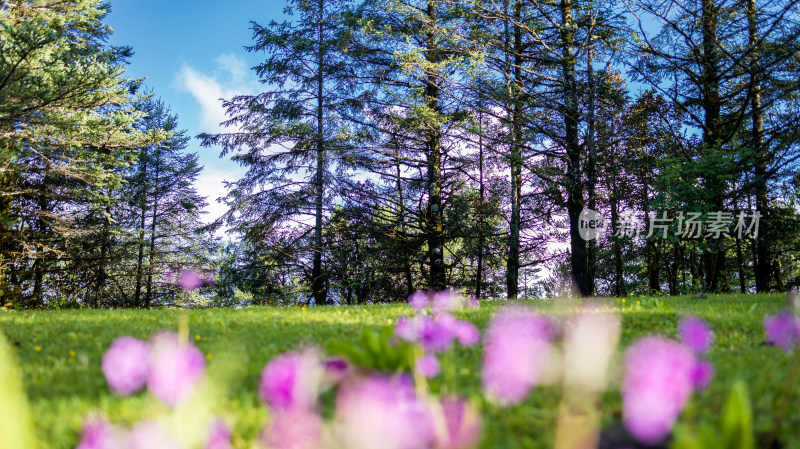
60, 353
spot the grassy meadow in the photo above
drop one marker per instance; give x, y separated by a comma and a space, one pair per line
60, 354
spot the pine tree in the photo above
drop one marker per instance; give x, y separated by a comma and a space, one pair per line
66, 125
288, 136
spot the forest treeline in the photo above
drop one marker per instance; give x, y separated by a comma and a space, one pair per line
406, 145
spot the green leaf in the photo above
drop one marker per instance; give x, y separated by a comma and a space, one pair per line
737, 419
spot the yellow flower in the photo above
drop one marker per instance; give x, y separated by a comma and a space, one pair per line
304, 308
197, 337
71, 353
37, 348
208, 356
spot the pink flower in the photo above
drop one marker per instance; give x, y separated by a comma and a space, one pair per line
99, 434
149, 435
292, 380
219, 437
427, 365
695, 334
408, 329
293, 429
658, 381
174, 368
517, 345
438, 334
382, 412
462, 424
190, 280
418, 300
467, 334
702, 374
336, 369
781, 330
446, 300
125, 365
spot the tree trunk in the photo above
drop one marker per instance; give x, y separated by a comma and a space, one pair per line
763, 260
714, 261
137, 298
318, 280
591, 164
619, 283
574, 181
403, 229
152, 245
102, 275
481, 205
434, 160
515, 156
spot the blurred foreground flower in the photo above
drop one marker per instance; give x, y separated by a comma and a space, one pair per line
175, 368
437, 333
292, 380
99, 434
293, 429
382, 412
427, 365
517, 345
150, 435
659, 379
126, 365
219, 437
441, 301
695, 333
590, 340
782, 330
702, 374
462, 424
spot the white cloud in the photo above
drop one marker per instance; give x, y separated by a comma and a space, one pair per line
231, 77
211, 184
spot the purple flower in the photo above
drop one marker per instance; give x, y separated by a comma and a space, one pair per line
427, 365
125, 365
99, 434
293, 429
695, 334
781, 330
382, 412
702, 374
190, 280
292, 380
467, 333
149, 435
408, 329
337, 369
517, 345
175, 367
438, 334
418, 300
446, 300
462, 424
658, 381
219, 437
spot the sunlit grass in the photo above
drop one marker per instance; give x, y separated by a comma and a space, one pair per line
60, 354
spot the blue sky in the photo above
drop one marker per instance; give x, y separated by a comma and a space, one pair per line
191, 54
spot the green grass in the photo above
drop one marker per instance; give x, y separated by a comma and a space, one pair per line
60, 354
